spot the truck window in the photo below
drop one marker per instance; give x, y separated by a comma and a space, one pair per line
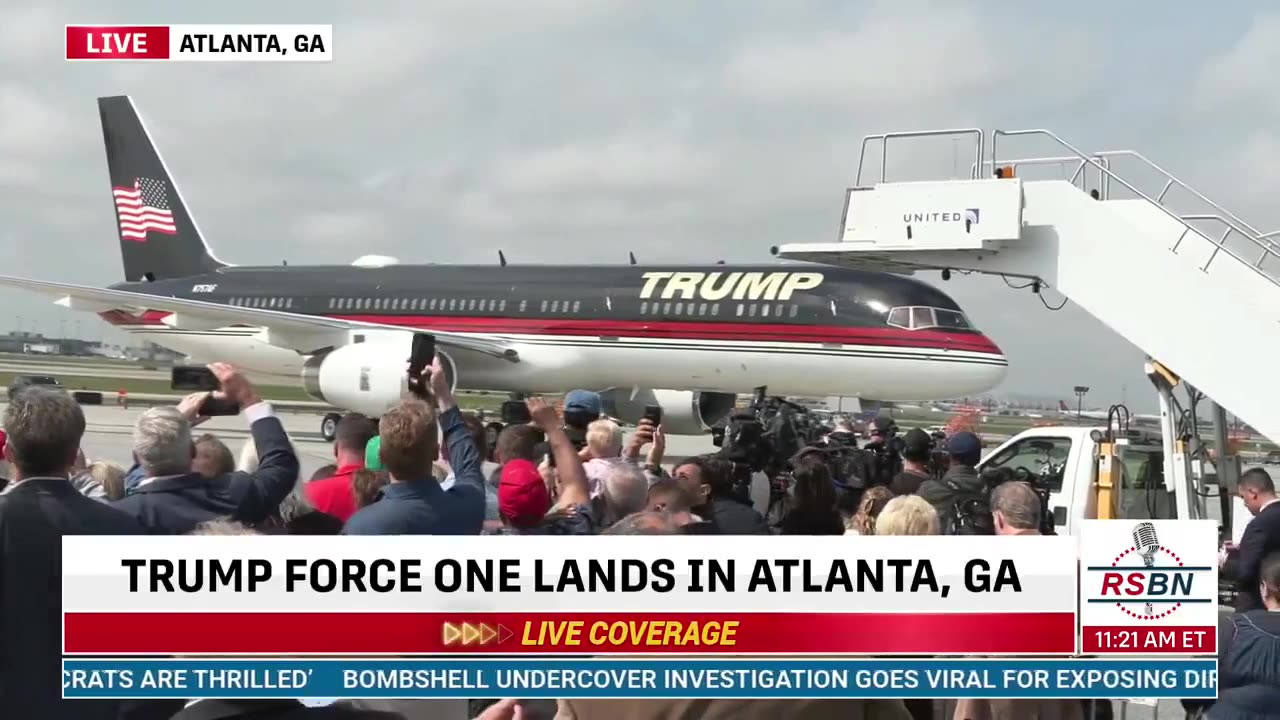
1143, 494
1042, 457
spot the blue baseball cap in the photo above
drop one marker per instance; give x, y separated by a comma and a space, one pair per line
964, 445
583, 401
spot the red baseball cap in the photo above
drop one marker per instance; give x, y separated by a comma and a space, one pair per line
522, 494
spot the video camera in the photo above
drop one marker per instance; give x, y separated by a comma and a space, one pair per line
1039, 484
763, 438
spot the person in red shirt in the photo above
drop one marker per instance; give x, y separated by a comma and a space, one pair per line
334, 495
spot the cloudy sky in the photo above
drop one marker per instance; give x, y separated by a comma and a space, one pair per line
576, 130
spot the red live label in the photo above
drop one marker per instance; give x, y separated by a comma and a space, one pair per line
117, 42
1129, 640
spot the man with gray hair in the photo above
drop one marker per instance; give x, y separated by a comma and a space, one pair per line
174, 499
1015, 508
44, 428
624, 489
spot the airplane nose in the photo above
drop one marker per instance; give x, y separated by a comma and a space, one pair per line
997, 368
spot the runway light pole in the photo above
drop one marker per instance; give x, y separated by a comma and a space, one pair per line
1081, 391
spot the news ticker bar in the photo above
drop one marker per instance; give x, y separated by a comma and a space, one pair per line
201, 43
627, 678
276, 633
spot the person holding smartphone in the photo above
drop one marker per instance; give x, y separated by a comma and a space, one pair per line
413, 502
172, 498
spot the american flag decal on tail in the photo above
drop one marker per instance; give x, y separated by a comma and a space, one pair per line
143, 208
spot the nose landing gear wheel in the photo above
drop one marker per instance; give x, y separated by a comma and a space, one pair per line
329, 426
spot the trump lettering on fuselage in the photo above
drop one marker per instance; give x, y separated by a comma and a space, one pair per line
721, 285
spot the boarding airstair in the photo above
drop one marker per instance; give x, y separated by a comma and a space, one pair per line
1199, 293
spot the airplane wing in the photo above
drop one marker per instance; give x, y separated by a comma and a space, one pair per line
303, 333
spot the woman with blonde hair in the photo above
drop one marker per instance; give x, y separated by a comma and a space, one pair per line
863, 522
908, 515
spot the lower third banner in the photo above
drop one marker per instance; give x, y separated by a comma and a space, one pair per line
632, 678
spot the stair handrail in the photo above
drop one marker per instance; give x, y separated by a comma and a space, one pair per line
1269, 248
1218, 246
978, 134
1079, 163
1244, 227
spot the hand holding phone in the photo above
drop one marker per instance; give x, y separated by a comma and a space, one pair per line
421, 356
653, 413
193, 378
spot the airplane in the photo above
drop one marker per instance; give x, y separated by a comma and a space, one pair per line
689, 338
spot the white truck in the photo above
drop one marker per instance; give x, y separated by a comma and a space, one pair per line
1068, 459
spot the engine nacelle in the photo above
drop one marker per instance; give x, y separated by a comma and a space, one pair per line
683, 412
365, 377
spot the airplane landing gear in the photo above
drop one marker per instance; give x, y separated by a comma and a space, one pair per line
329, 426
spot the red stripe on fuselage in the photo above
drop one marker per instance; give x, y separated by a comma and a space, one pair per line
664, 329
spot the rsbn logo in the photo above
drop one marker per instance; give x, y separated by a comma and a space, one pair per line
1147, 580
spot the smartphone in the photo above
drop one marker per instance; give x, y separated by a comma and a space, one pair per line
424, 351
653, 413
218, 407
193, 378
515, 412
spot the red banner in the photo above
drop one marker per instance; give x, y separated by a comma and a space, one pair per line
143, 633
1130, 640
131, 42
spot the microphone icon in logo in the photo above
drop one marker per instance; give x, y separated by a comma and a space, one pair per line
1145, 542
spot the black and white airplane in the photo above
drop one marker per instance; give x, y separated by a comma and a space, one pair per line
686, 337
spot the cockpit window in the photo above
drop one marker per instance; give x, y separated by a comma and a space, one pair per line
900, 317
921, 318
950, 319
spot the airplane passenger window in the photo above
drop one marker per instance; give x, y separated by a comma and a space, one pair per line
751, 310
679, 307
715, 309
922, 317
502, 306
702, 308
644, 307
543, 306
739, 309
900, 317
523, 304
666, 308
795, 310
288, 303
577, 304
555, 306
951, 319
764, 311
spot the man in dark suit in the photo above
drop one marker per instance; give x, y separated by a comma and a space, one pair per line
44, 428
173, 499
1261, 537
413, 503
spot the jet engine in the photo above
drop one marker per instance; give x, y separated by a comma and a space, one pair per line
364, 377
683, 412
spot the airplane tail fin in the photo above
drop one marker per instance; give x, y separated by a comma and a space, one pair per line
1062, 406
158, 236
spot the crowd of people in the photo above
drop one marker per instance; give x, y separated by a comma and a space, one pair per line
426, 467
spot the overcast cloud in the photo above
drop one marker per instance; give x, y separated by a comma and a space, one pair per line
577, 130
